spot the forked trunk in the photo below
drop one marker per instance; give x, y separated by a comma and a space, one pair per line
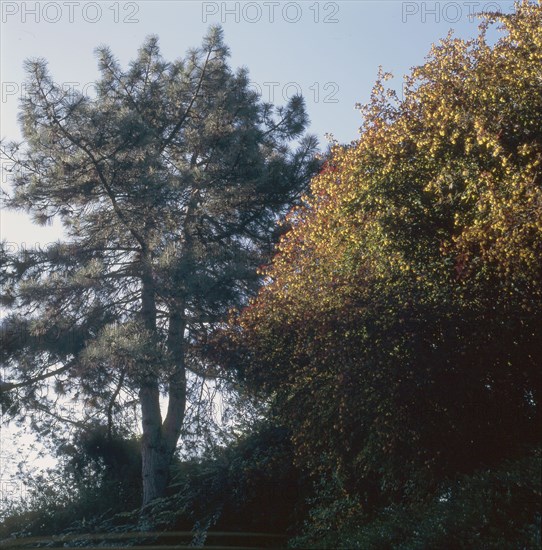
160, 439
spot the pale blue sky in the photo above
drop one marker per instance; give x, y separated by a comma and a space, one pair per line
330, 51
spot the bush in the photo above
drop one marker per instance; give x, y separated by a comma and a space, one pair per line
491, 509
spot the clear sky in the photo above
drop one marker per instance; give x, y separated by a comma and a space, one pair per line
328, 50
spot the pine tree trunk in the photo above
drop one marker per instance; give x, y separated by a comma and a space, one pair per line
160, 439
156, 454
155, 470
155, 458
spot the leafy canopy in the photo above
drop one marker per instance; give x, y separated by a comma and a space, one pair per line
398, 331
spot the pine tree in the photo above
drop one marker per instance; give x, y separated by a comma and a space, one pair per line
168, 184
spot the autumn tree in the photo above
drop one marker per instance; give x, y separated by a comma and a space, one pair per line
398, 333
168, 182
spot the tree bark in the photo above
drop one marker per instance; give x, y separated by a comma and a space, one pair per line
174, 420
155, 468
154, 456
159, 439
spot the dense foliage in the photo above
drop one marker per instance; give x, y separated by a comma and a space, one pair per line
497, 508
98, 476
399, 328
252, 486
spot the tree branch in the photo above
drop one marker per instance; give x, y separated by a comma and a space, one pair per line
112, 402
179, 124
7, 386
72, 139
